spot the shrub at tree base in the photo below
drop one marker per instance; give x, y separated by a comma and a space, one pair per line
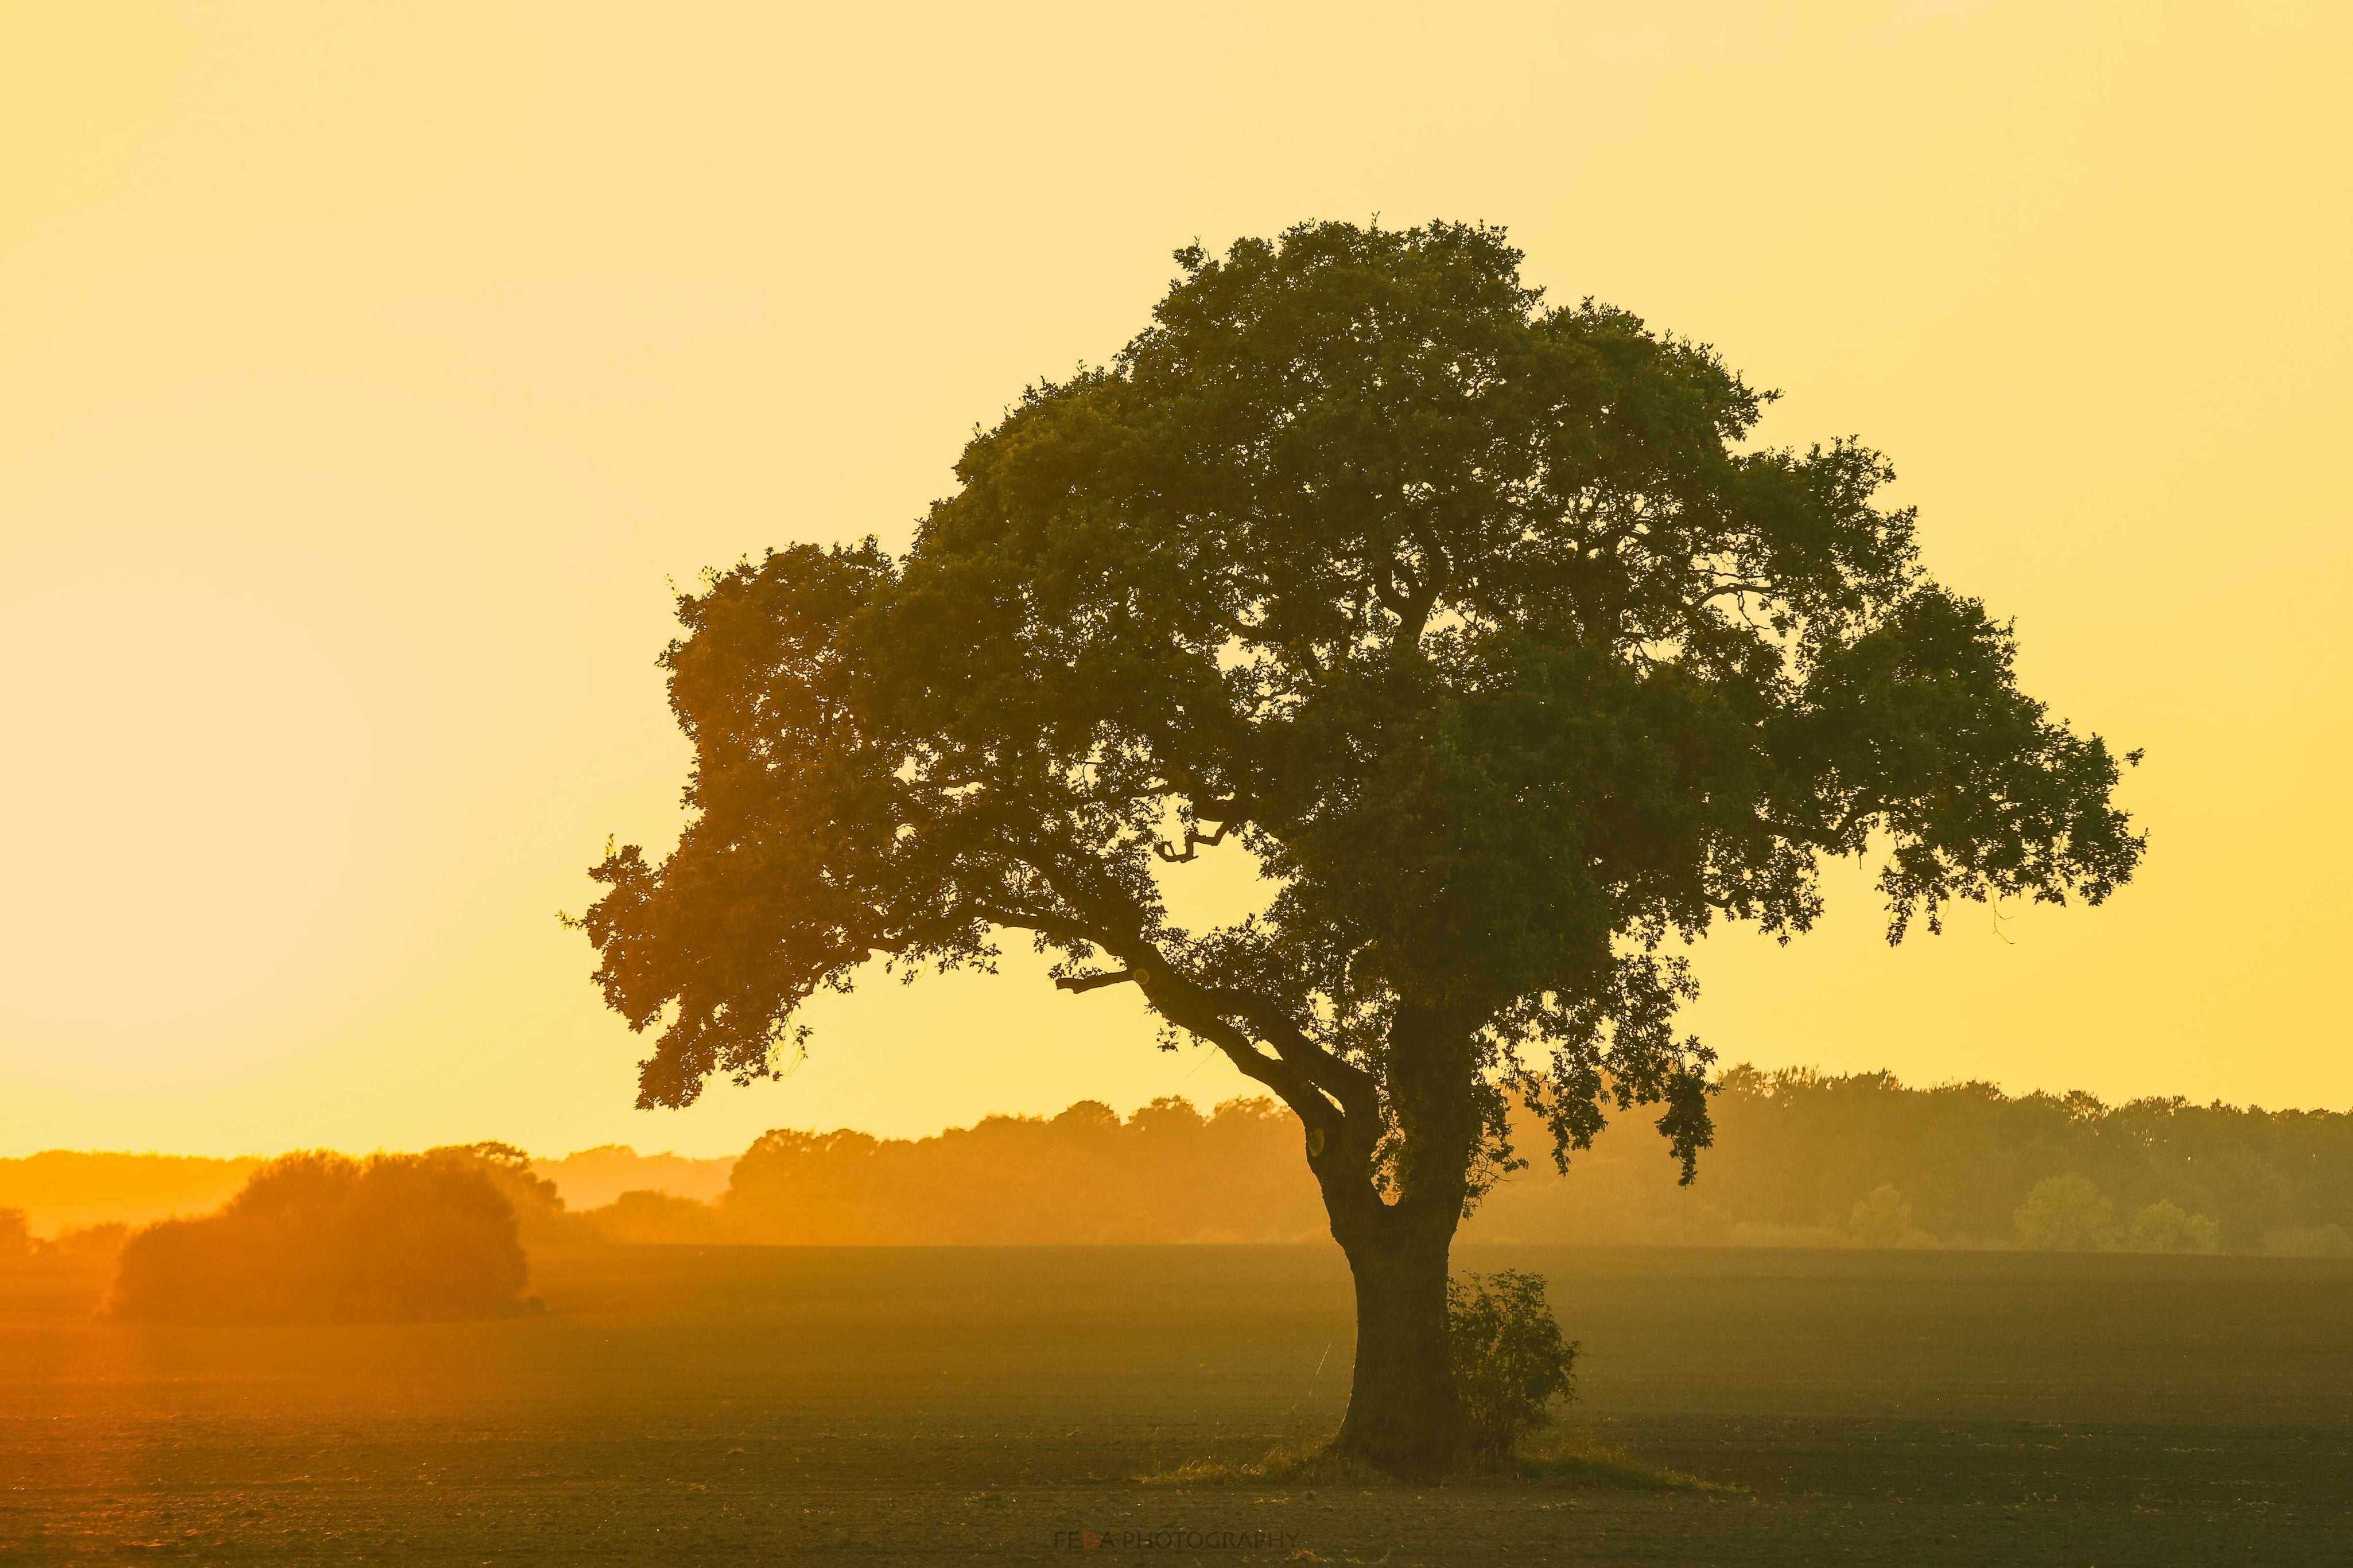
317, 1237
1509, 1361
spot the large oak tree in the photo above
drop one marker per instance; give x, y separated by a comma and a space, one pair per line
1475, 620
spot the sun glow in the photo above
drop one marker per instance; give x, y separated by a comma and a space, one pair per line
369, 369
184, 773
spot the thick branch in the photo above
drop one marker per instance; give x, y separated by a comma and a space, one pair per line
1326, 1093
1355, 1088
1338, 1102
1083, 983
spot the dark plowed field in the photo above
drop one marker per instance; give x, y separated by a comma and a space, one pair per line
762, 1404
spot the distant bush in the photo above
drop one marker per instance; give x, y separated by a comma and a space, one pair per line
320, 1237
540, 1213
2310, 1241
2166, 1226
1509, 1360
595, 1178
88, 1241
2067, 1213
647, 1217
1881, 1218
20, 1249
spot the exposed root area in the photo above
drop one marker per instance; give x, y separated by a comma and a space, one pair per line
1555, 1458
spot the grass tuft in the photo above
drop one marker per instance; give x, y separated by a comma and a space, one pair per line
1555, 1458
1566, 1458
1304, 1465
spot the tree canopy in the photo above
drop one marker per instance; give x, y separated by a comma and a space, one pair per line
1480, 621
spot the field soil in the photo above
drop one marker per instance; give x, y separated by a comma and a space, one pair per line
754, 1404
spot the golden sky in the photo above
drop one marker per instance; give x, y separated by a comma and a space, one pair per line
364, 369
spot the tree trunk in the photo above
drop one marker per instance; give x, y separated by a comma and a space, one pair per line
1403, 1412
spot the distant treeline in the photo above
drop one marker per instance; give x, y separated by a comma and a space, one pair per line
69, 1189
1800, 1159
591, 1178
1167, 1174
1803, 1158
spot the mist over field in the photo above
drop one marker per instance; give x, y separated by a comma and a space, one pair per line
1800, 1159
868, 1404
1894, 1322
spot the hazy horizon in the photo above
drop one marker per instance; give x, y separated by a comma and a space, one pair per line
550, 1155
1799, 1160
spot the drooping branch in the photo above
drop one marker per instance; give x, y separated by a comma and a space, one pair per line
1194, 841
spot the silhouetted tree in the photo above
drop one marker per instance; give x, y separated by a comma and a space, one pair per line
1468, 617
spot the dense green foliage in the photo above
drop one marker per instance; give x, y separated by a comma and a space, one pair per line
1478, 621
1505, 1349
